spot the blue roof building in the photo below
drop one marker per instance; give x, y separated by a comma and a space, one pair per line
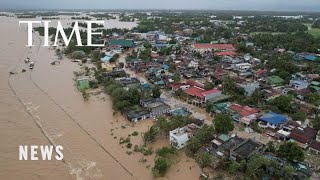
165, 67
310, 57
146, 86
298, 84
272, 120
106, 59
160, 83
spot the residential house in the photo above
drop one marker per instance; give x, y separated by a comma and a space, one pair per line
298, 84
124, 43
275, 80
272, 120
249, 44
315, 145
242, 67
129, 82
245, 150
136, 113
155, 106
310, 57
303, 136
249, 88
223, 138
193, 64
315, 86
177, 86
312, 77
283, 134
221, 147
106, 58
199, 96
259, 73
226, 53
213, 47
132, 62
181, 111
243, 114
116, 73
83, 83
179, 137
108, 67
115, 48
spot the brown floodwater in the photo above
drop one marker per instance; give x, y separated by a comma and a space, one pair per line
43, 107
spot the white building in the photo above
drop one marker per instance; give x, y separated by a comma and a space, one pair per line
193, 64
179, 137
242, 67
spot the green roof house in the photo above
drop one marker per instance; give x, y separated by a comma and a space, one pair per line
315, 86
275, 80
82, 83
124, 43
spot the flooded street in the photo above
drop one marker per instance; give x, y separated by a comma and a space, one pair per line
43, 107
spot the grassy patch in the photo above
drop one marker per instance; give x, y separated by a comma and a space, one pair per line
315, 32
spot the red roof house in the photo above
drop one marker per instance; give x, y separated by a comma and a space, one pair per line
246, 113
193, 83
226, 53
220, 47
201, 96
303, 136
315, 146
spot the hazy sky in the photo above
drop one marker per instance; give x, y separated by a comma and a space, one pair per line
270, 5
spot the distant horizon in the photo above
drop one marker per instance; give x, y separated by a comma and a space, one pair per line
149, 9
224, 5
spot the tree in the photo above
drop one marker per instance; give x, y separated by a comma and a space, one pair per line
223, 123
179, 93
208, 85
166, 152
160, 167
134, 96
150, 135
229, 86
204, 159
299, 116
313, 98
256, 165
209, 107
201, 137
234, 167
176, 78
270, 147
316, 123
291, 151
161, 123
172, 68
147, 45
156, 92
194, 145
256, 97
283, 103
95, 56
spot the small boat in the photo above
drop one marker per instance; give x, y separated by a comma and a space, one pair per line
31, 65
27, 60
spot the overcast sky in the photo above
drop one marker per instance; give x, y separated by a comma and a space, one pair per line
269, 5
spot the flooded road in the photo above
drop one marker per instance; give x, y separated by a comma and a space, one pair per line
37, 95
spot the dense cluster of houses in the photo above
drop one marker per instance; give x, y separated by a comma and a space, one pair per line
193, 73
